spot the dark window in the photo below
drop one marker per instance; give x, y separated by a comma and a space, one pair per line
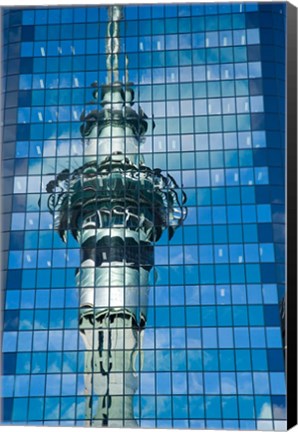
11, 320
7, 409
14, 279
25, 97
28, 33
15, 18
23, 132
255, 86
19, 202
268, 273
9, 363
271, 315
26, 65
275, 360
17, 240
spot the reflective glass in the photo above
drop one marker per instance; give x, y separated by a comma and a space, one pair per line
206, 82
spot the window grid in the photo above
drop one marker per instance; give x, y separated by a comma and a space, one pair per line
226, 170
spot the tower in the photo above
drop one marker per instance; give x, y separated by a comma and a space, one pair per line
116, 207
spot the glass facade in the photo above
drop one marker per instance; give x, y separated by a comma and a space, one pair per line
211, 79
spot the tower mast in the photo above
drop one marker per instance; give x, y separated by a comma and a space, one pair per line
115, 14
116, 208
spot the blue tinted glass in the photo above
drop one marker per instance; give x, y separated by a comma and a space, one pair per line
259, 360
211, 77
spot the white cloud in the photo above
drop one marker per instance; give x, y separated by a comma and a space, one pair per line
266, 412
266, 416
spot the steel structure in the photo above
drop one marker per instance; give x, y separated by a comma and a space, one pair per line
116, 208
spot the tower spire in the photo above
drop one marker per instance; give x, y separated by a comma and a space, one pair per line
115, 14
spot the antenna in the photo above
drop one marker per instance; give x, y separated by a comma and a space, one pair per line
115, 14
126, 69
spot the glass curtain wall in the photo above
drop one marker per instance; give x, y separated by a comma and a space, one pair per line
212, 79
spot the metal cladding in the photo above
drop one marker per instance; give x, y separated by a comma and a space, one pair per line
116, 208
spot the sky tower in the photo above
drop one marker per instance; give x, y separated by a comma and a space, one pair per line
116, 208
